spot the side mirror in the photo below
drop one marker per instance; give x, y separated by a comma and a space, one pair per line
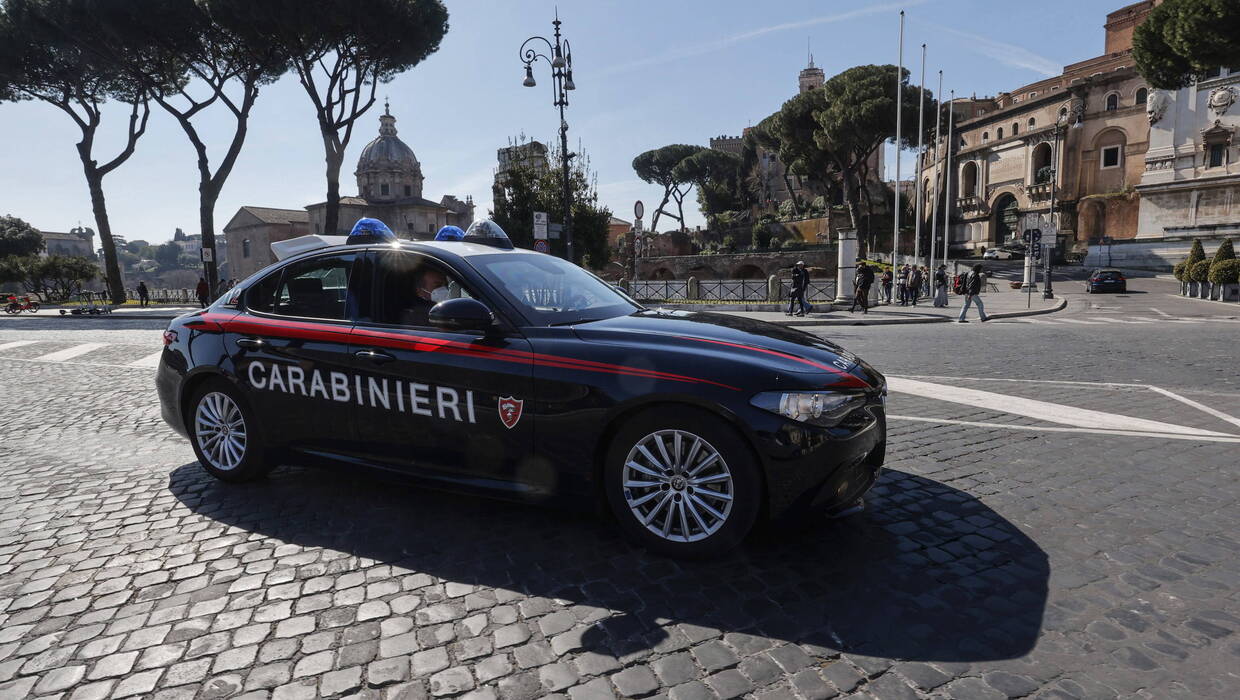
463, 314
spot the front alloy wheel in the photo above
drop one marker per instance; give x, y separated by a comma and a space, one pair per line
682, 481
678, 486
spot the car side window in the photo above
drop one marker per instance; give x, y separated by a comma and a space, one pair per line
407, 285
314, 288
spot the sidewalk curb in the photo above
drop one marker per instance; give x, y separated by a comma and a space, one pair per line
1031, 312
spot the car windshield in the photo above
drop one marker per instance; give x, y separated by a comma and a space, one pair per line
551, 291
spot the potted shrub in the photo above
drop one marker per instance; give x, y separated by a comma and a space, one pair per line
1195, 255
1225, 254
1200, 272
1181, 275
1225, 275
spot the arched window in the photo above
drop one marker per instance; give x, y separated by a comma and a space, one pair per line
968, 179
1032, 122
985, 136
1015, 128
1112, 102
1063, 112
1042, 163
1142, 96
1000, 133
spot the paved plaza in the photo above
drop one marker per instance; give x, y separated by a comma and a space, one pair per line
1009, 550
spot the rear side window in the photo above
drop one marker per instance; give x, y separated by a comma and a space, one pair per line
314, 288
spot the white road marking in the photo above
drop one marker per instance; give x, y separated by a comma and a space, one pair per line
1120, 320
1056, 429
1160, 313
1199, 406
1040, 410
151, 360
17, 344
1023, 381
70, 353
1232, 304
1077, 320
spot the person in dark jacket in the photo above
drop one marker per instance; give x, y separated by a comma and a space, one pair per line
972, 294
886, 281
940, 286
915, 281
203, 292
800, 284
861, 285
144, 294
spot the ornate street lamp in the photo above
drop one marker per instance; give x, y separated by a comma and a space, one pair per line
560, 57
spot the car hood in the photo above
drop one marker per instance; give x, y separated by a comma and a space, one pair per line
726, 337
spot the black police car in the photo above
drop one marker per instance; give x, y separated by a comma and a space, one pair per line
516, 374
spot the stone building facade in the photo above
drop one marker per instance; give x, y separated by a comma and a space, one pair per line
1090, 121
531, 154
389, 186
78, 242
1190, 188
252, 230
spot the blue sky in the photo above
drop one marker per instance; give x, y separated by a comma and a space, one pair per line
647, 73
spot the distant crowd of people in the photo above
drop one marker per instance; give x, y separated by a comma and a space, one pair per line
905, 287
202, 291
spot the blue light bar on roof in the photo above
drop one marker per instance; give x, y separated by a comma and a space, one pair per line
368, 230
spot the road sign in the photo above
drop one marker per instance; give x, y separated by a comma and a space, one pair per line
208, 254
1033, 235
555, 230
639, 209
540, 225
542, 246
1037, 251
637, 224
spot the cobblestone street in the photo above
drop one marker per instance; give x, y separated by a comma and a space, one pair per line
996, 558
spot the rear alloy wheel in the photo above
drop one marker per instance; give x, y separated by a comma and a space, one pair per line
224, 434
682, 483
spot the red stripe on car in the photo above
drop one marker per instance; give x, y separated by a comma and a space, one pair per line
846, 380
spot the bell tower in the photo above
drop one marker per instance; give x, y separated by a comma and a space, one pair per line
811, 76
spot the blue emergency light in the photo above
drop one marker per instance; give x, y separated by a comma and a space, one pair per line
450, 233
368, 230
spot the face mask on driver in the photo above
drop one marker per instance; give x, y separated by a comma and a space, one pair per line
438, 294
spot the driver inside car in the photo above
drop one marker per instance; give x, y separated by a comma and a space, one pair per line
431, 288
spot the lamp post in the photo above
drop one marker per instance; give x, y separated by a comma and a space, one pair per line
1048, 292
560, 57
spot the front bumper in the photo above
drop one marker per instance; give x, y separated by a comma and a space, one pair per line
811, 469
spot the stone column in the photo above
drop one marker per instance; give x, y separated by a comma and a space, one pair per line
847, 267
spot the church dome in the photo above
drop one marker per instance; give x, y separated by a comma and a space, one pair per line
387, 170
387, 151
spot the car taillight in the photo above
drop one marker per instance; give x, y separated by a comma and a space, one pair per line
170, 337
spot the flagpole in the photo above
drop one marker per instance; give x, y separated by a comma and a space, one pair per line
921, 121
895, 229
947, 203
938, 143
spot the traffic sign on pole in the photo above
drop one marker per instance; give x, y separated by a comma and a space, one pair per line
639, 209
542, 246
540, 225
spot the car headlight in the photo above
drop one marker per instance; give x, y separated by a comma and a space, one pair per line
825, 408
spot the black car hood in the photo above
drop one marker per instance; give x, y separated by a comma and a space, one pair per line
726, 336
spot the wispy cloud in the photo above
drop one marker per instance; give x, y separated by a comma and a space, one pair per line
1003, 52
724, 42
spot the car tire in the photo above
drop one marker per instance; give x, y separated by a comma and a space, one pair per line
713, 472
225, 433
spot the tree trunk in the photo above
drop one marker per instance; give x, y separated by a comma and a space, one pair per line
111, 266
792, 195
846, 179
207, 195
654, 224
331, 213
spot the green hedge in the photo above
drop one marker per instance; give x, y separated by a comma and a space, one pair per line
1225, 272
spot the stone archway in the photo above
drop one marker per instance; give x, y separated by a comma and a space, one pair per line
662, 273
703, 272
1004, 220
1092, 221
748, 272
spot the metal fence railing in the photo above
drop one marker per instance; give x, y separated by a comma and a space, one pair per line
167, 296
724, 291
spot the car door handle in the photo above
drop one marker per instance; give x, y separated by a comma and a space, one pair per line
251, 342
374, 356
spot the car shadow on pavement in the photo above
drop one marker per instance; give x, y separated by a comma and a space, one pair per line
927, 572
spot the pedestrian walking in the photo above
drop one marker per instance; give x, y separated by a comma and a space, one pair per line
203, 292
972, 294
886, 282
800, 283
940, 286
925, 282
915, 280
861, 286
902, 285
144, 294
